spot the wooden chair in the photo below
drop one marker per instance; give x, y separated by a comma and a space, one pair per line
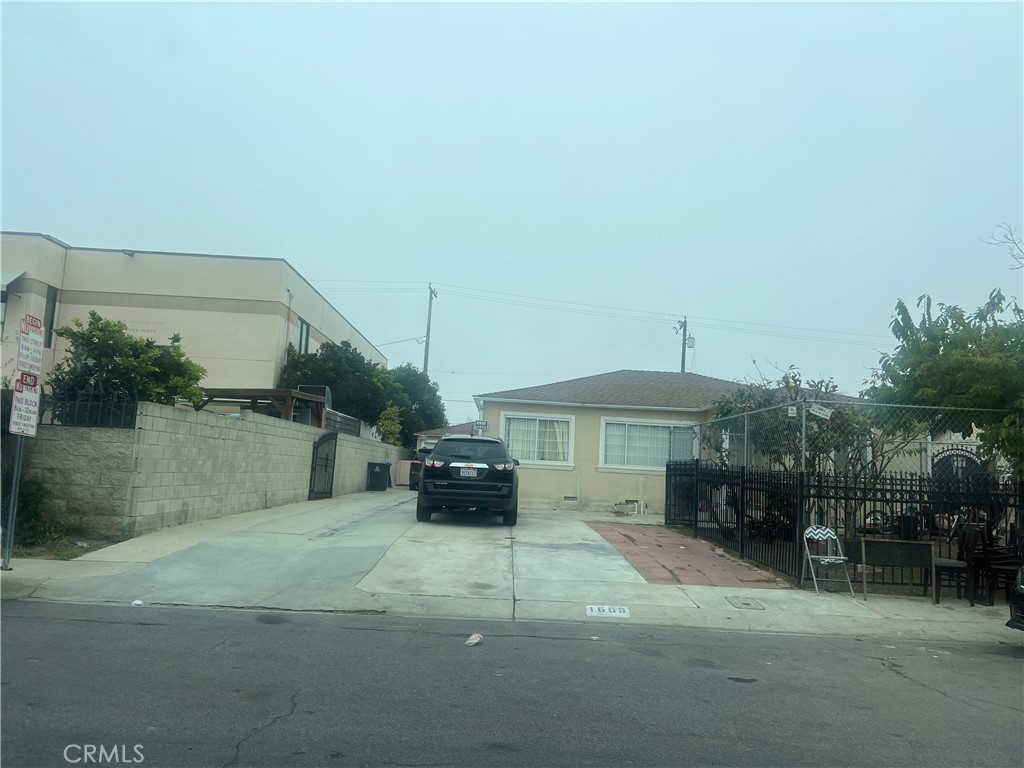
962, 572
833, 556
999, 565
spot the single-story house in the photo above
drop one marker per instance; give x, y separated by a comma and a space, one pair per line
593, 442
428, 438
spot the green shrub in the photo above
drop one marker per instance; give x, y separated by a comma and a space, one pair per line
32, 524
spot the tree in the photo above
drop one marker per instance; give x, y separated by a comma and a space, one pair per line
424, 408
368, 391
969, 361
1009, 239
106, 362
390, 426
355, 384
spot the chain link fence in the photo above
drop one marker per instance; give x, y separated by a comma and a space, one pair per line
843, 437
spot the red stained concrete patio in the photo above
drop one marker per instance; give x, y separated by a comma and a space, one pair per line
663, 556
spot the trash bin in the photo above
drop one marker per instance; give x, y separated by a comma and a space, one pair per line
908, 528
377, 476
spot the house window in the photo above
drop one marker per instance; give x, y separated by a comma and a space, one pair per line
303, 344
631, 444
50, 314
538, 438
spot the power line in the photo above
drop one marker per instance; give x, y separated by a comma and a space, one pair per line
642, 315
418, 339
560, 306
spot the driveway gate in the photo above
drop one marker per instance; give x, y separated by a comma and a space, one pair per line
321, 472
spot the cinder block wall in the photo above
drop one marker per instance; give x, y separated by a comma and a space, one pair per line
181, 466
354, 453
194, 466
86, 473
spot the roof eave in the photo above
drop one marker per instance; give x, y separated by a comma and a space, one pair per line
485, 399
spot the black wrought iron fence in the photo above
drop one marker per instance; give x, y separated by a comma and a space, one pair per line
88, 410
760, 513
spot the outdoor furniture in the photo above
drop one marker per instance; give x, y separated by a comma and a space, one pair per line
832, 556
897, 553
999, 565
963, 571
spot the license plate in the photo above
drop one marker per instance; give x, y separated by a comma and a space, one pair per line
467, 472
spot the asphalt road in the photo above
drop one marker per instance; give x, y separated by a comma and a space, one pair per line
202, 687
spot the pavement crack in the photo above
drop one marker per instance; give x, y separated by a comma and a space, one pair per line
898, 670
512, 551
255, 731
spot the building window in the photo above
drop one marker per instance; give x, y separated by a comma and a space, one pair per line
631, 444
538, 438
50, 314
303, 344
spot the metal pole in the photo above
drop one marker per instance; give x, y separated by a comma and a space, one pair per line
682, 365
15, 484
746, 440
803, 440
430, 309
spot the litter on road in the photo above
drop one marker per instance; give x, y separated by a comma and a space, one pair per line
475, 638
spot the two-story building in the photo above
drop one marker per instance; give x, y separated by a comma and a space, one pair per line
236, 315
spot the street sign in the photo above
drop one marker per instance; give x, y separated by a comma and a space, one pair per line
24, 409
24, 414
30, 346
481, 424
821, 411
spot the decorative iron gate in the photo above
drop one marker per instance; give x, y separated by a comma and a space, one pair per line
321, 472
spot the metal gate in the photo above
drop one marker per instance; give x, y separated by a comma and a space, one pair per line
321, 472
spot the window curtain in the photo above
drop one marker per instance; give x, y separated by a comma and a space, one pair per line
636, 445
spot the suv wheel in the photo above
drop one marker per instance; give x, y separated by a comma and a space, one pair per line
510, 516
422, 512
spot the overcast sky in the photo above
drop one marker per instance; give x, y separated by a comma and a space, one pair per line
572, 178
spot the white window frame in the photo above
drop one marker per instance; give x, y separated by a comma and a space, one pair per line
606, 420
571, 463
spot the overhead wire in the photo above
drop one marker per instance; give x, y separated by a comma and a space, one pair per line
619, 313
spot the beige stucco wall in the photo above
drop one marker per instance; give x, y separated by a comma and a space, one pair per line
236, 316
595, 487
44, 261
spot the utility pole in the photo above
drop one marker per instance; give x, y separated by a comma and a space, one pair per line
682, 365
687, 342
430, 309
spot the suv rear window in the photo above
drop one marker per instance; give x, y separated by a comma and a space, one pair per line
473, 450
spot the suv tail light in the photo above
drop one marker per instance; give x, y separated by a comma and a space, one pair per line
505, 467
435, 463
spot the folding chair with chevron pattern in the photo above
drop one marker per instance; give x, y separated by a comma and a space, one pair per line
833, 556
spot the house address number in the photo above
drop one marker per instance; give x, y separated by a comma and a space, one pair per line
608, 611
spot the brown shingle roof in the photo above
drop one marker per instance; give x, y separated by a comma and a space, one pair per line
453, 429
650, 389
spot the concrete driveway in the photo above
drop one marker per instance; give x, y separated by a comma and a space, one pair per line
364, 553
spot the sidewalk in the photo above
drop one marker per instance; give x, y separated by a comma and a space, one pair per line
365, 553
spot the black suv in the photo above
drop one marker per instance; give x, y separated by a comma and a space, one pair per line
469, 472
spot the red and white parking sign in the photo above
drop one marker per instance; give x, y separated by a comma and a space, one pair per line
25, 407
